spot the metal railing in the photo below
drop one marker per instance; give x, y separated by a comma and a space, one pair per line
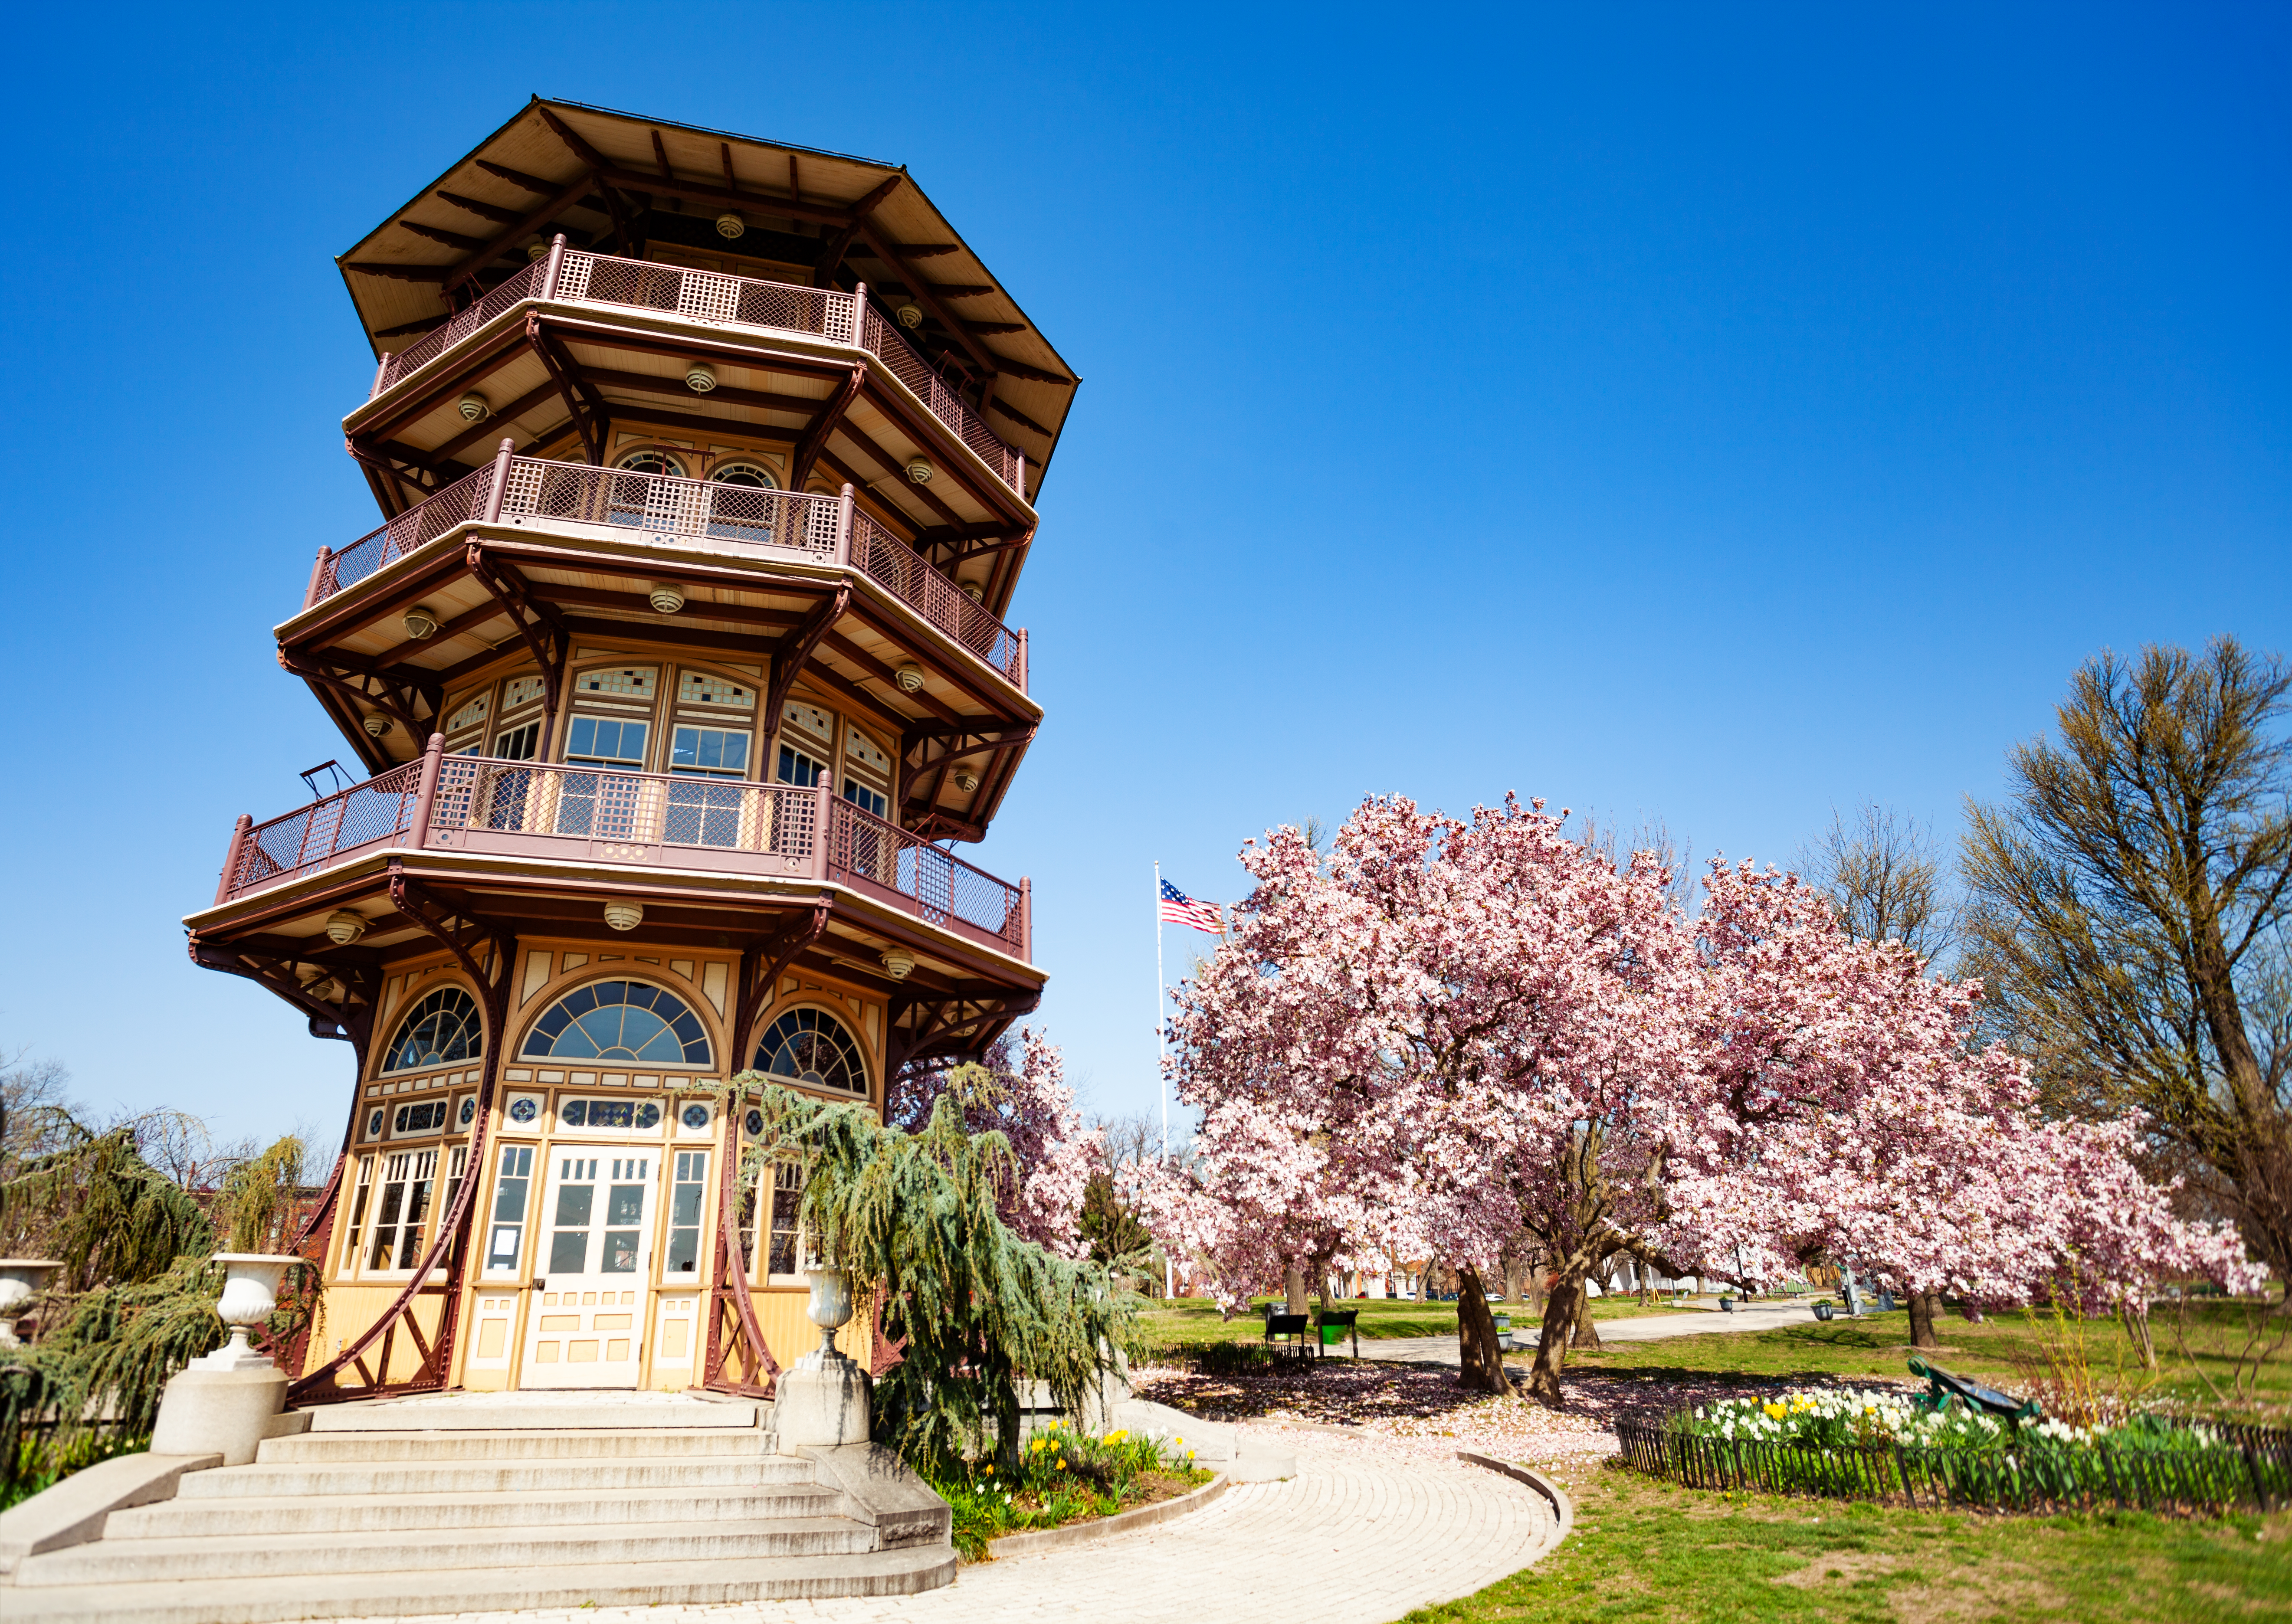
592, 814
877, 856
2245, 1466
378, 812
705, 513
830, 315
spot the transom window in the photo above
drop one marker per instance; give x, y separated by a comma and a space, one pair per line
812, 1047
440, 1029
751, 474
636, 681
619, 1020
695, 688
650, 461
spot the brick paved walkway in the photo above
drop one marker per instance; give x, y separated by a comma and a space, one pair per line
1361, 1535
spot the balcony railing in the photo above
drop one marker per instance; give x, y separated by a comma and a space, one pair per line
703, 513
582, 814
569, 276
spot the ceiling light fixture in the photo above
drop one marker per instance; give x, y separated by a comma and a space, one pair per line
730, 225
625, 915
700, 377
911, 315
376, 724
474, 406
965, 779
668, 597
910, 678
345, 926
898, 961
420, 622
919, 470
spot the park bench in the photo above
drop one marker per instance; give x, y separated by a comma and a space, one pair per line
1341, 1321
1943, 1387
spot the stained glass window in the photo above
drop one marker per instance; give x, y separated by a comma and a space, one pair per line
812, 1047
619, 1020
441, 1029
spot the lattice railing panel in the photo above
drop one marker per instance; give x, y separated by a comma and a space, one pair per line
663, 505
525, 285
633, 809
884, 342
424, 522
311, 838
944, 890
884, 557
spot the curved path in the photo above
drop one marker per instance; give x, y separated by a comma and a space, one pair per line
1361, 1535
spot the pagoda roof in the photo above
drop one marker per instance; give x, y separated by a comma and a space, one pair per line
563, 165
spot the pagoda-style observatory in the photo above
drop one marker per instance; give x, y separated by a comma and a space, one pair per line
707, 469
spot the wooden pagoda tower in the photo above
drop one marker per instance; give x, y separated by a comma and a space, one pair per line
706, 468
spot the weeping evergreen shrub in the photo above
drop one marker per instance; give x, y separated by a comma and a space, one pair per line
911, 1219
136, 1299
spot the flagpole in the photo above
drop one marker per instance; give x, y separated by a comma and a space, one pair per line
1162, 1055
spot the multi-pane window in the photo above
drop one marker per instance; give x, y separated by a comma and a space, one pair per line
782, 1251
403, 1213
358, 1201
511, 1186
517, 743
685, 1197
867, 800
715, 752
603, 742
625, 1214
800, 769
576, 1199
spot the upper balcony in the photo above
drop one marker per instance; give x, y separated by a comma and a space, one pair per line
575, 503
716, 302
655, 823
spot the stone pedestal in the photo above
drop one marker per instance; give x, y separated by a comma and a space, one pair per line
219, 1410
822, 1404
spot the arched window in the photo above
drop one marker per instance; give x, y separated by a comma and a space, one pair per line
440, 1029
650, 460
619, 1020
812, 1047
755, 475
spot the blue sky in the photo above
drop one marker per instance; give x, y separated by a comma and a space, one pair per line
1708, 415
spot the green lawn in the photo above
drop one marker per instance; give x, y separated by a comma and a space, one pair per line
1186, 1322
1878, 1344
1646, 1551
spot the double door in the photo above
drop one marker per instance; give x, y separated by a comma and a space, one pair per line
594, 1274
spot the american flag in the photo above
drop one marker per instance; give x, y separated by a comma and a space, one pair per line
1180, 909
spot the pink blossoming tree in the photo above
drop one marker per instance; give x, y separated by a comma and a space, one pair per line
1024, 1096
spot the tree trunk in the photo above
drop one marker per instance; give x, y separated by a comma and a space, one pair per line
1587, 1330
1478, 1354
1922, 1305
2136, 1326
1293, 1280
1515, 1281
1562, 1309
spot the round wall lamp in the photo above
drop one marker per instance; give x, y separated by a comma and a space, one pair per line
345, 926
911, 315
420, 622
897, 962
473, 406
910, 678
625, 915
730, 225
700, 377
668, 597
919, 470
376, 724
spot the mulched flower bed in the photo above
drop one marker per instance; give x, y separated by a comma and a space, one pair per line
1064, 1475
1420, 1409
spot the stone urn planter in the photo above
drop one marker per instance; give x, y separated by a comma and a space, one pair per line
824, 1400
250, 1291
21, 1279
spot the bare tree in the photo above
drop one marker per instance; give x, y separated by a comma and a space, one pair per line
32, 1093
1883, 872
2133, 916
1676, 854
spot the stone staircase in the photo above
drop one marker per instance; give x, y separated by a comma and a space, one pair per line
480, 1504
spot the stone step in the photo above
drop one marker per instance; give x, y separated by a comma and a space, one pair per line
494, 1477
410, 1590
379, 1513
328, 1448
459, 1412
267, 1555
